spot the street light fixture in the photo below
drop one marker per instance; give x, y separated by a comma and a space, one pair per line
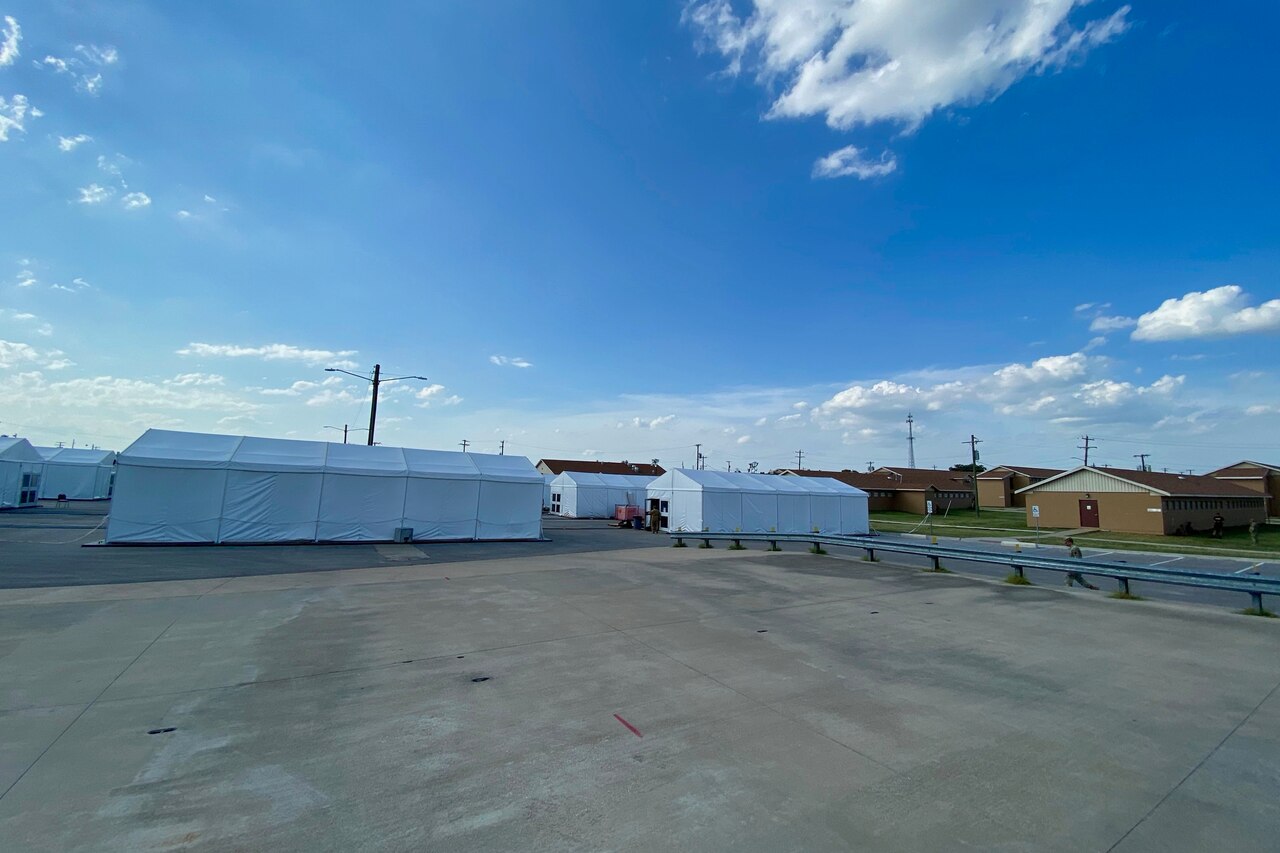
344, 429
377, 379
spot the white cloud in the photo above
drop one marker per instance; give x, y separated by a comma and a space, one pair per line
13, 353
790, 419
270, 352
329, 396
69, 143
136, 201
850, 160
118, 394
1102, 323
504, 361
59, 66
13, 115
196, 379
862, 62
95, 194
427, 395
762, 421
1262, 410
90, 85
107, 55
1219, 312
10, 36
744, 439
183, 214
653, 423
451, 400
26, 276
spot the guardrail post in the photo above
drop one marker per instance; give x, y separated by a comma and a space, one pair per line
1124, 585
936, 565
773, 545
871, 555
1256, 597
680, 542
1017, 570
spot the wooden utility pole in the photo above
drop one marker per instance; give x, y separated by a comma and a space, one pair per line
973, 443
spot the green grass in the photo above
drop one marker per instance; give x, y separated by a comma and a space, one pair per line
679, 544
1126, 596
816, 549
958, 522
705, 544
737, 546
1257, 611
1233, 540
1017, 579
941, 570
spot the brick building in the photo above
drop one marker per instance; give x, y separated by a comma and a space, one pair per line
1130, 501
999, 486
1256, 476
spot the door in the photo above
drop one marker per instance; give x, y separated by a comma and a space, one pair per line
1089, 513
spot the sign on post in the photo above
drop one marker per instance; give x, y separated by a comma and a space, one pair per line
928, 507
1035, 511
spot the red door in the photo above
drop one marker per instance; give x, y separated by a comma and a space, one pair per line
1088, 513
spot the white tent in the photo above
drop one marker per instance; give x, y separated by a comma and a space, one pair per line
81, 475
579, 494
723, 502
194, 487
20, 469
546, 491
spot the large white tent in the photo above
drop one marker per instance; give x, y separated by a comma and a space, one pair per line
81, 475
195, 487
21, 466
723, 502
580, 494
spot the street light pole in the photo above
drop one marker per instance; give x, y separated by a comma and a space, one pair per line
373, 407
377, 379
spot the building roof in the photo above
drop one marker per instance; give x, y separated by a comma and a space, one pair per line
592, 466
882, 479
77, 456
1001, 471
1246, 470
1168, 485
14, 449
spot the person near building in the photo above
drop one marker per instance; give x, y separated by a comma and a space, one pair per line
655, 519
1073, 550
1218, 521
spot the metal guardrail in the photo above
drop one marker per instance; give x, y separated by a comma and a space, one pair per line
1018, 561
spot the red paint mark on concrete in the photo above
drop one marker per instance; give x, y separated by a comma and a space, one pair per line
632, 728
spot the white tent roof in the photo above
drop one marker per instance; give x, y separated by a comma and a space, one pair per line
758, 483
77, 455
18, 450
624, 482
170, 449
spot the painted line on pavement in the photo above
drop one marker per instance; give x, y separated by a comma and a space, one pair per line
1174, 560
632, 728
1248, 569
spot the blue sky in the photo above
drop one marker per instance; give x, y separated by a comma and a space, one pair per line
620, 229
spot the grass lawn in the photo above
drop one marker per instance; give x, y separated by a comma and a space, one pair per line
965, 523
959, 522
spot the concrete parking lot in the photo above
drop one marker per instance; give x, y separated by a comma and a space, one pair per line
631, 699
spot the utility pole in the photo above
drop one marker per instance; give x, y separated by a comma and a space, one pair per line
799, 460
697, 459
728, 466
911, 441
1142, 461
1086, 447
502, 447
871, 466
973, 443
464, 444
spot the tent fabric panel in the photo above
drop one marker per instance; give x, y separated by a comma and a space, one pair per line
825, 513
511, 469
270, 506
166, 505
509, 510
759, 513
355, 508
77, 482
439, 509
854, 515
11, 474
794, 514
164, 448
276, 454
371, 460
440, 464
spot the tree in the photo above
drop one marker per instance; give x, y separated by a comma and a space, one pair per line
967, 467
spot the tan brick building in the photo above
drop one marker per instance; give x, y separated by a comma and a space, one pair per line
1256, 476
999, 486
1130, 501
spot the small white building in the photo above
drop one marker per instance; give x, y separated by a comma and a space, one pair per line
81, 475
21, 467
195, 487
723, 502
578, 494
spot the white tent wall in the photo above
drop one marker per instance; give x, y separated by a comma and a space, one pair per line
723, 502
21, 470
589, 495
189, 487
81, 475
546, 490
